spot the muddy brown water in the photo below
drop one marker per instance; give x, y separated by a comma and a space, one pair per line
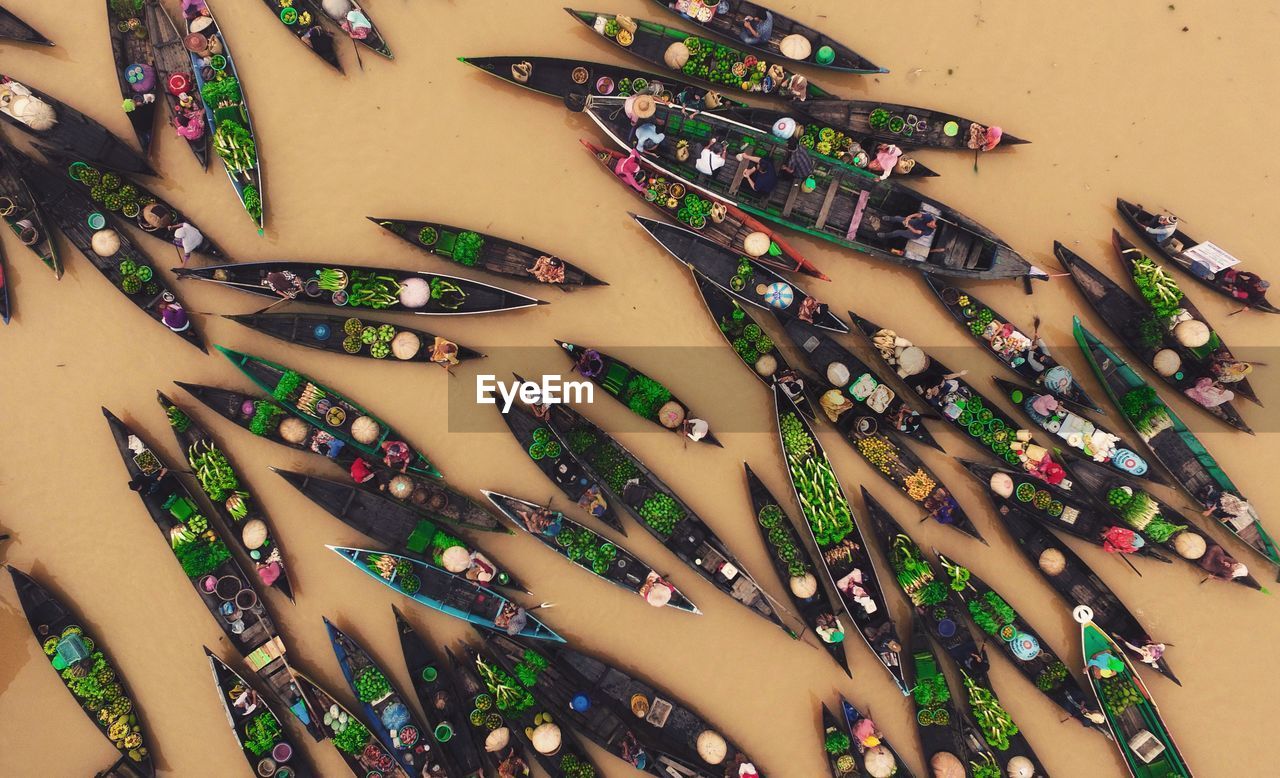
1118, 99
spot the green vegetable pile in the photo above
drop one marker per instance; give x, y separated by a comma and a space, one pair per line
914, 573
574, 767
1157, 287
711, 61
796, 440
587, 548
252, 200
985, 769
662, 514
213, 470
991, 613
878, 119
202, 553
466, 248
109, 189
613, 466
264, 418
1119, 693
748, 340
351, 738
529, 667
993, 720
931, 696
827, 141
177, 419
511, 697
1141, 512
367, 289
1150, 416
235, 144
781, 540
427, 235
820, 496
980, 322
836, 742
261, 733
371, 685
287, 387
645, 396
581, 439
544, 445
1052, 677
694, 210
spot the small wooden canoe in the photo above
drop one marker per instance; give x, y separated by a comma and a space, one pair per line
14, 29
173, 66
348, 335
140, 84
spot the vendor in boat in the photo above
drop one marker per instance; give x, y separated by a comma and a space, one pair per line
1248, 288
512, 766
798, 164
648, 139
548, 270
1161, 228
541, 521
755, 30
1227, 508
811, 308
829, 628
1229, 370
511, 618
920, 224
444, 352
188, 239
174, 316
589, 363
1104, 664
1208, 393
885, 160
396, 455
791, 383
1148, 653
188, 117
711, 156
361, 472
356, 24
628, 169
1221, 565
795, 87
147, 484
694, 429
244, 699
1118, 540
284, 283
761, 175
592, 501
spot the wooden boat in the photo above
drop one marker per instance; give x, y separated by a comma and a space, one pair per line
109, 705
264, 742
910, 125
6, 308
58, 124
346, 335
224, 587
356, 745
644, 396
1077, 432
1141, 738
796, 568
846, 559
306, 27
394, 719
1123, 315
24, 214
1175, 447
1221, 281
1143, 271
230, 497
134, 203
398, 528
594, 553
140, 85
882, 753
474, 693
572, 80
13, 28
731, 231
851, 207
1050, 506
325, 409
1073, 579
1010, 347
939, 722
525, 712
442, 702
747, 280
1009, 632
744, 335
228, 122
429, 496
837, 746
442, 591
561, 465
1160, 523
659, 510
486, 252
128, 269
368, 37
353, 287
649, 41
172, 59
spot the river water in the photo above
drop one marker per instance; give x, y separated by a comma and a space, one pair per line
1145, 100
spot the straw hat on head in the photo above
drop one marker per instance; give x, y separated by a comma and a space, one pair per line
712, 747
658, 595
643, 106
676, 55
1052, 562
756, 244
455, 559
795, 47
521, 71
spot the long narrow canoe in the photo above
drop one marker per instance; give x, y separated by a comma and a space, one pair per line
846, 559
837, 746
798, 570
1221, 281
744, 334
400, 529
306, 27
224, 587
24, 214
76, 656
849, 206
6, 306
1124, 316
356, 745
264, 741
350, 335
328, 410
14, 29
230, 497
1175, 447
1025, 355
856, 724
940, 723
592, 552
1141, 737
174, 69
129, 270
727, 22
475, 694
490, 253
908, 125
368, 37
352, 287
135, 66
442, 591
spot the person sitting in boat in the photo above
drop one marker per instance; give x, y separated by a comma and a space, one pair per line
592, 501
1221, 565
920, 224
1104, 664
1229, 370
1226, 507
444, 352
356, 24
589, 363
326, 444
1249, 288
187, 238
513, 766
1148, 653
694, 429
852, 586
174, 316
629, 170
360, 471
791, 383
511, 618
885, 160
829, 628
712, 156
754, 30
548, 270
811, 308
1118, 540
866, 734
188, 119
761, 175
541, 521
396, 455
648, 139
284, 283
799, 163
795, 87
244, 699
1208, 393
147, 484
1161, 228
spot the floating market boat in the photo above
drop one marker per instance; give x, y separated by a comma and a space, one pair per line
877, 759
224, 587
561, 465
85, 669
264, 742
950, 743
226, 109
724, 224
1147, 339
1027, 356
353, 19
487, 725
851, 207
837, 746
644, 396
325, 409
356, 745
58, 124
306, 27
23, 214
591, 551
798, 569
741, 275
1160, 523
1175, 447
111, 251
351, 287
908, 125
134, 56
441, 590
174, 69
745, 336
436, 687
572, 80
1206, 262
14, 29
1141, 738
486, 252
6, 308
230, 497
846, 560
1077, 432
400, 529
358, 337
394, 720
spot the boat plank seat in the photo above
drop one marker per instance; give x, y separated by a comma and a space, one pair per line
919, 248
738, 175
792, 196
833, 189
858, 212
265, 654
